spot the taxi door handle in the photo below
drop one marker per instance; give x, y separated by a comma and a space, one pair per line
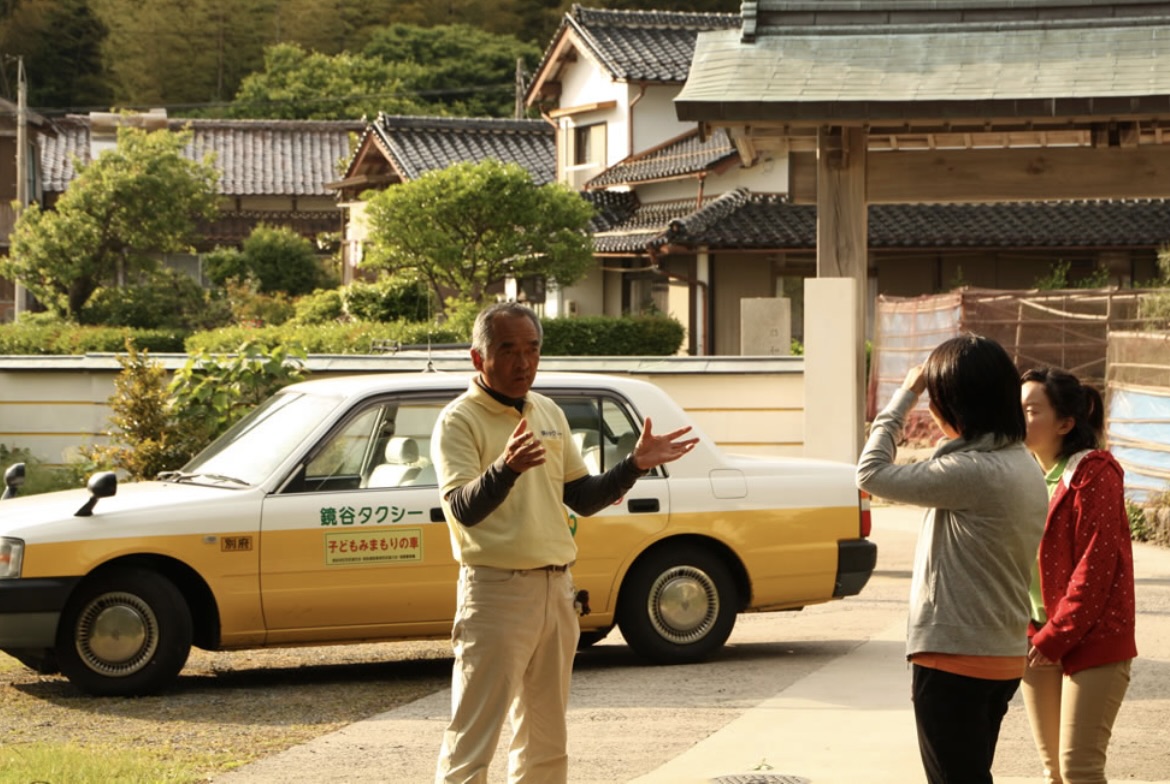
643, 505
437, 515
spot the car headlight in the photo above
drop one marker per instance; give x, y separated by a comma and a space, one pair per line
11, 556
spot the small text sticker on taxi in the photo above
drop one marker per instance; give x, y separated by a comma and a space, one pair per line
235, 544
399, 545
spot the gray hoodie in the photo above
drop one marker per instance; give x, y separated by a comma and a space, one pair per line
987, 503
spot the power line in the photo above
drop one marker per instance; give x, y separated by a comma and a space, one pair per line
57, 111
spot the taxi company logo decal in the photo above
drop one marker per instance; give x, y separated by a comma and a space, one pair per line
365, 547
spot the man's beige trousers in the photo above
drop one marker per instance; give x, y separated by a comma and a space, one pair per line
515, 636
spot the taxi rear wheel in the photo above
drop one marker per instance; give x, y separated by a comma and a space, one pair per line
678, 605
124, 633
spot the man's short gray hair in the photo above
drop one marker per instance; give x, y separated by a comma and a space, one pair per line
483, 333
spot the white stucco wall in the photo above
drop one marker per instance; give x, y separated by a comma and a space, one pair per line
53, 405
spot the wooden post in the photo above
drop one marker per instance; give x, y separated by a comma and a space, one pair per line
843, 230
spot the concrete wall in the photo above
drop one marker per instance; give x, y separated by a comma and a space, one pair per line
747, 405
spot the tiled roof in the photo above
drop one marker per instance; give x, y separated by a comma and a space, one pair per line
58, 152
416, 145
254, 157
679, 157
742, 220
649, 46
645, 225
613, 208
840, 61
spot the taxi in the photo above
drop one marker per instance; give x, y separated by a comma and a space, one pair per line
316, 520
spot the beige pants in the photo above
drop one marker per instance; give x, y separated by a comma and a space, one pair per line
515, 636
1072, 719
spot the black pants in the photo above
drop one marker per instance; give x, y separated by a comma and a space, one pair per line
958, 722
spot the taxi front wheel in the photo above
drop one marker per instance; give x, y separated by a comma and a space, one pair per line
678, 605
124, 633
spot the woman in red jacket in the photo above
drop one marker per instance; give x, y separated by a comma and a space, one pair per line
1082, 630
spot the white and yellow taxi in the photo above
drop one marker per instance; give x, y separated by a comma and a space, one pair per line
316, 520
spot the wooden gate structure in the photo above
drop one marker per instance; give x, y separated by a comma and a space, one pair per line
917, 101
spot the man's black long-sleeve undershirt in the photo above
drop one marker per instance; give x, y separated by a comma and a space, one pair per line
586, 496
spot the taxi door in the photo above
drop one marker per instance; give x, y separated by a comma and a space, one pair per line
354, 544
605, 428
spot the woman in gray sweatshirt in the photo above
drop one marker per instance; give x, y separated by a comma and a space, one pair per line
986, 502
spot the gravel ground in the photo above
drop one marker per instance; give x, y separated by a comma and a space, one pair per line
228, 708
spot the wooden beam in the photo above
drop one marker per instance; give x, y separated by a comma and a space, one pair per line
582, 109
843, 231
748, 154
993, 175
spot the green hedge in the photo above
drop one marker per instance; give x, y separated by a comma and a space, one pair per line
586, 336
604, 336
72, 339
353, 338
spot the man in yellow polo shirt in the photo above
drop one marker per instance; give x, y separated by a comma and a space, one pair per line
507, 467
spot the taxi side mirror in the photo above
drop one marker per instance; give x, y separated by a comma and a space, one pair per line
101, 485
13, 481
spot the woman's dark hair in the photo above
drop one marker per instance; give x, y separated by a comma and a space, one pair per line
1072, 399
975, 387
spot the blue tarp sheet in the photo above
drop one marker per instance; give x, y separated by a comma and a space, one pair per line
1139, 437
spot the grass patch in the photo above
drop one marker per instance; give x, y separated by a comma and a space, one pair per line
54, 762
8, 663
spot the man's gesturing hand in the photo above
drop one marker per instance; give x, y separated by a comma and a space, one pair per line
652, 450
524, 449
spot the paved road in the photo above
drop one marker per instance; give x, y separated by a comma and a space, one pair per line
818, 696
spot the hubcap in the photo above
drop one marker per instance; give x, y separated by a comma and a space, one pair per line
117, 634
683, 604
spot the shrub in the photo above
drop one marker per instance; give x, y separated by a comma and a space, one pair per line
250, 306
388, 299
320, 307
606, 336
166, 299
223, 264
350, 338
1139, 527
39, 477
63, 338
210, 393
144, 440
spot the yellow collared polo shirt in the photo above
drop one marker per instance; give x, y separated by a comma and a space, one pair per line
531, 527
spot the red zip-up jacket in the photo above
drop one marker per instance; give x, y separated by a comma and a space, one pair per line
1086, 568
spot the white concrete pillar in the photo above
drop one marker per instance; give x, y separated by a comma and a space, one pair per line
834, 363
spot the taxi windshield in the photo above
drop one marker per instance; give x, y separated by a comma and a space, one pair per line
253, 447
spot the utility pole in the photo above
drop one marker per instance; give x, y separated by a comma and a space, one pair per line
519, 88
21, 167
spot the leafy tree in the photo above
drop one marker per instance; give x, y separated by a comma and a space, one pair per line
141, 199
159, 426
300, 85
60, 41
471, 225
467, 71
183, 51
345, 26
277, 257
210, 393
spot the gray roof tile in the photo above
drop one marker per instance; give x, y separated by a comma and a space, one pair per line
417, 145
650, 46
830, 61
740, 219
685, 155
254, 157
